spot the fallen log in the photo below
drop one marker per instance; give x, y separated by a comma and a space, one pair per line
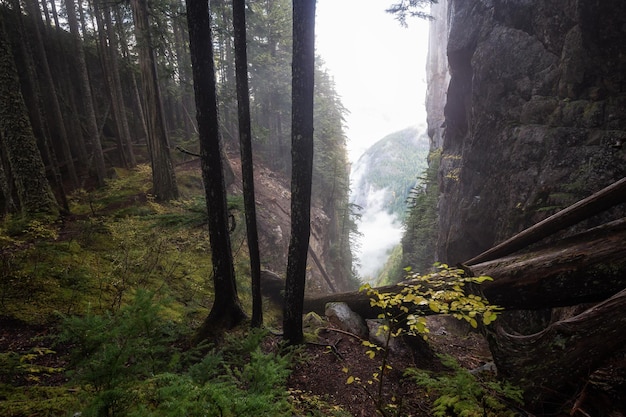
587, 267
569, 350
596, 203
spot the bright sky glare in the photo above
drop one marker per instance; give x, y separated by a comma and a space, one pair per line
378, 67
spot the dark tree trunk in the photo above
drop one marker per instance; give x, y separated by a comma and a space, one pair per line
163, 177
247, 163
85, 92
34, 101
18, 141
303, 68
226, 311
47, 79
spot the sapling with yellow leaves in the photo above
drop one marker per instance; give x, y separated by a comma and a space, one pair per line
404, 313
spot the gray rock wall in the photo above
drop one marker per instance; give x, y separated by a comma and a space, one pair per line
535, 115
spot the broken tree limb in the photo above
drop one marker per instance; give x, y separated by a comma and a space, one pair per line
602, 200
320, 267
587, 267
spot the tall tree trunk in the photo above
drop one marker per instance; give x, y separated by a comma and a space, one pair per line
85, 92
303, 69
18, 141
34, 101
247, 163
163, 177
226, 311
52, 92
182, 60
120, 117
123, 43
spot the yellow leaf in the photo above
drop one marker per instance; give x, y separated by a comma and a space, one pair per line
350, 380
434, 306
344, 370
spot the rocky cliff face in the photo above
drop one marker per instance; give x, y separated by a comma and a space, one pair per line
535, 116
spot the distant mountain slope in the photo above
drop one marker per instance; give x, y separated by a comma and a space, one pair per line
382, 179
391, 164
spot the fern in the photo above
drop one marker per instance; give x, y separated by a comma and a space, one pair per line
462, 394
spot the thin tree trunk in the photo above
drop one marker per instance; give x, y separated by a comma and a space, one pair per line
163, 177
18, 141
247, 162
226, 311
85, 92
52, 91
135, 88
127, 146
303, 68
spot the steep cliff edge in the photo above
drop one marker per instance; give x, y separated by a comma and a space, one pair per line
535, 116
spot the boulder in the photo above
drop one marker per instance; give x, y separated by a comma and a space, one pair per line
342, 317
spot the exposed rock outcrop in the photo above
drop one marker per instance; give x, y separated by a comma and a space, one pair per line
535, 116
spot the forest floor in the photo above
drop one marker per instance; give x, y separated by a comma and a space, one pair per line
317, 384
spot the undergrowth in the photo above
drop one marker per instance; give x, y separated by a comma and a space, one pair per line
127, 363
461, 393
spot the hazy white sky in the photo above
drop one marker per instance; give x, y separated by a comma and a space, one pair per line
378, 67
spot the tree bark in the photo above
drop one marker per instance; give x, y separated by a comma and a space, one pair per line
163, 177
47, 79
247, 162
226, 311
18, 142
588, 267
34, 101
303, 69
570, 350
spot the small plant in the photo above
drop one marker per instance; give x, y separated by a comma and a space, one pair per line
112, 351
403, 313
463, 394
24, 365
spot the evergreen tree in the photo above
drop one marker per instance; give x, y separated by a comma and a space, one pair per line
163, 177
226, 311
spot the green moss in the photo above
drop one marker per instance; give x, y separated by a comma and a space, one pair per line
38, 401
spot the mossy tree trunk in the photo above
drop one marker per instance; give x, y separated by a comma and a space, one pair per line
163, 177
226, 311
36, 107
18, 141
303, 70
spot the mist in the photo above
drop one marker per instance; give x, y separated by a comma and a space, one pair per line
381, 232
